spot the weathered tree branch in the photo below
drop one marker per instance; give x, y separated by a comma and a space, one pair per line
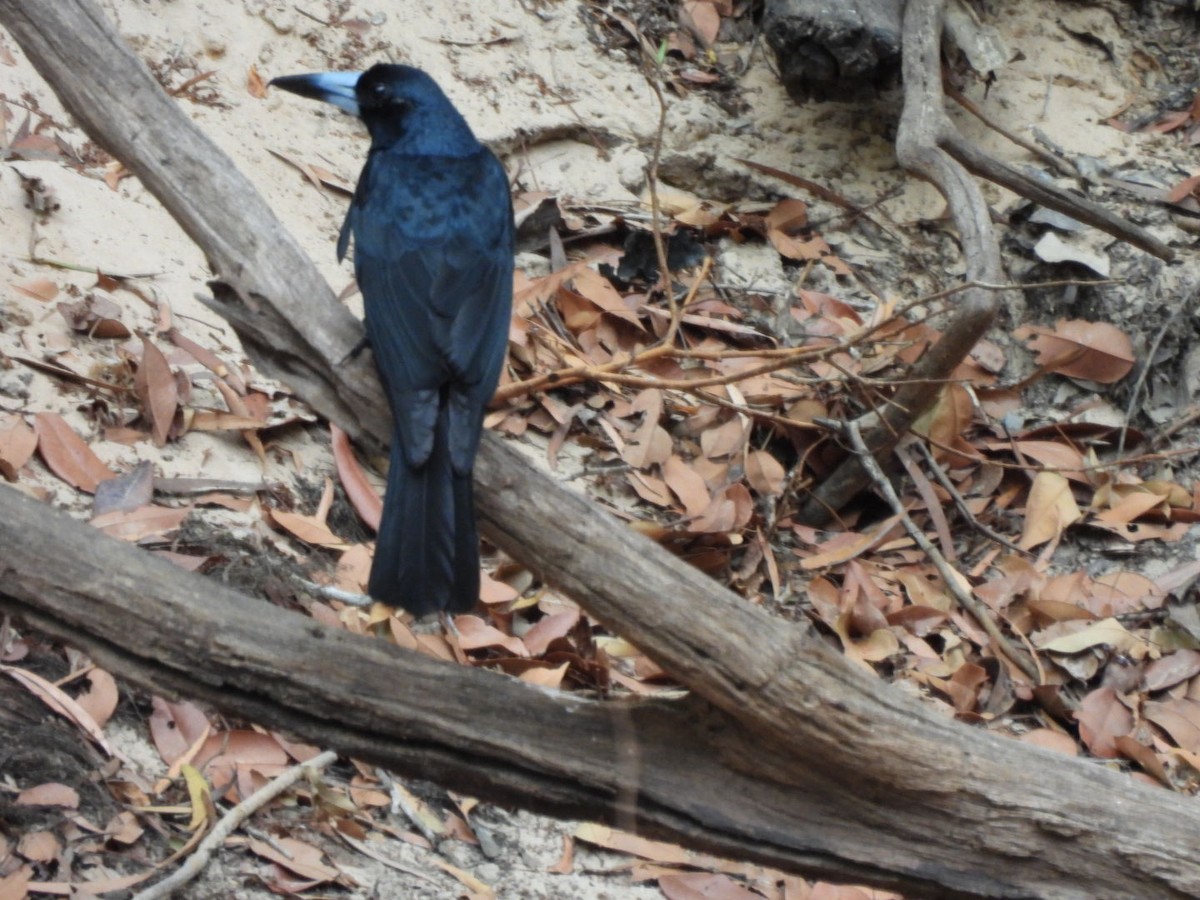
826, 772
924, 126
786, 753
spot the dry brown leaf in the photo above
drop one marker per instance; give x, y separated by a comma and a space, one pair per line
765, 473
1145, 757
176, 727
209, 360
686, 485
703, 886
309, 529
726, 439
730, 510
475, 634
354, 569
549, 629
1049, 510
49, 794
219, 420
15, 886
17, 444
706, 21
1171, 669
363, 497
1049, 739
63, 704
786, 219
66, 455
651, 489
256, 87
1105, 633
158, 392
39, 846
492, 591
296, 856
238, 756
1052, 454
1102, 718
623, 842
100, 699
598, 290
1178, 718
124, 828
1131, 506
545, 676
1096, 351
847, 545
42, 289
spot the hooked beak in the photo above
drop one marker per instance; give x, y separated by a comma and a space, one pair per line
332, 87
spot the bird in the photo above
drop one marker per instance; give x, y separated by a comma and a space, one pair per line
432, 225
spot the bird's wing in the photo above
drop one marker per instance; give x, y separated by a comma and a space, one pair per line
435, 269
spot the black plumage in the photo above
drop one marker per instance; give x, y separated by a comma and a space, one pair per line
432, 225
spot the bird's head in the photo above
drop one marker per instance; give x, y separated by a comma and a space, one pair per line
403, 108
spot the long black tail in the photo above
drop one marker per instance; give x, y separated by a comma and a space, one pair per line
427, 550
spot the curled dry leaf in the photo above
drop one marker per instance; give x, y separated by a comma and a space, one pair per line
1049, 510
96, 316
1096, 351
61, 702
765, 473
100, 699
175, 727
549, 629
1105, 633
157, 392
365, 500
256, 87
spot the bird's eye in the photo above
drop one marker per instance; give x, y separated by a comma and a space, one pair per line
379, 90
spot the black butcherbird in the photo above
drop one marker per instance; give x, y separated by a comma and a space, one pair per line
433, 253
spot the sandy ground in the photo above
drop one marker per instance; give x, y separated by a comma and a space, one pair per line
532, 82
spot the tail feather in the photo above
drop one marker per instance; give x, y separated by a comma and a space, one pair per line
427, 552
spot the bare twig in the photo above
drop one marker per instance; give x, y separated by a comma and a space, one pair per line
229, 823
924, 127
954, 581
959, 501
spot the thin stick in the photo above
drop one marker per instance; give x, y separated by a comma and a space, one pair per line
953, 580
229, 823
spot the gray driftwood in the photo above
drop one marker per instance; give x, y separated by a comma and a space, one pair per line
784, 753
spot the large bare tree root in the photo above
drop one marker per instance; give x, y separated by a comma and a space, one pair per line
785, 752
929, 145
